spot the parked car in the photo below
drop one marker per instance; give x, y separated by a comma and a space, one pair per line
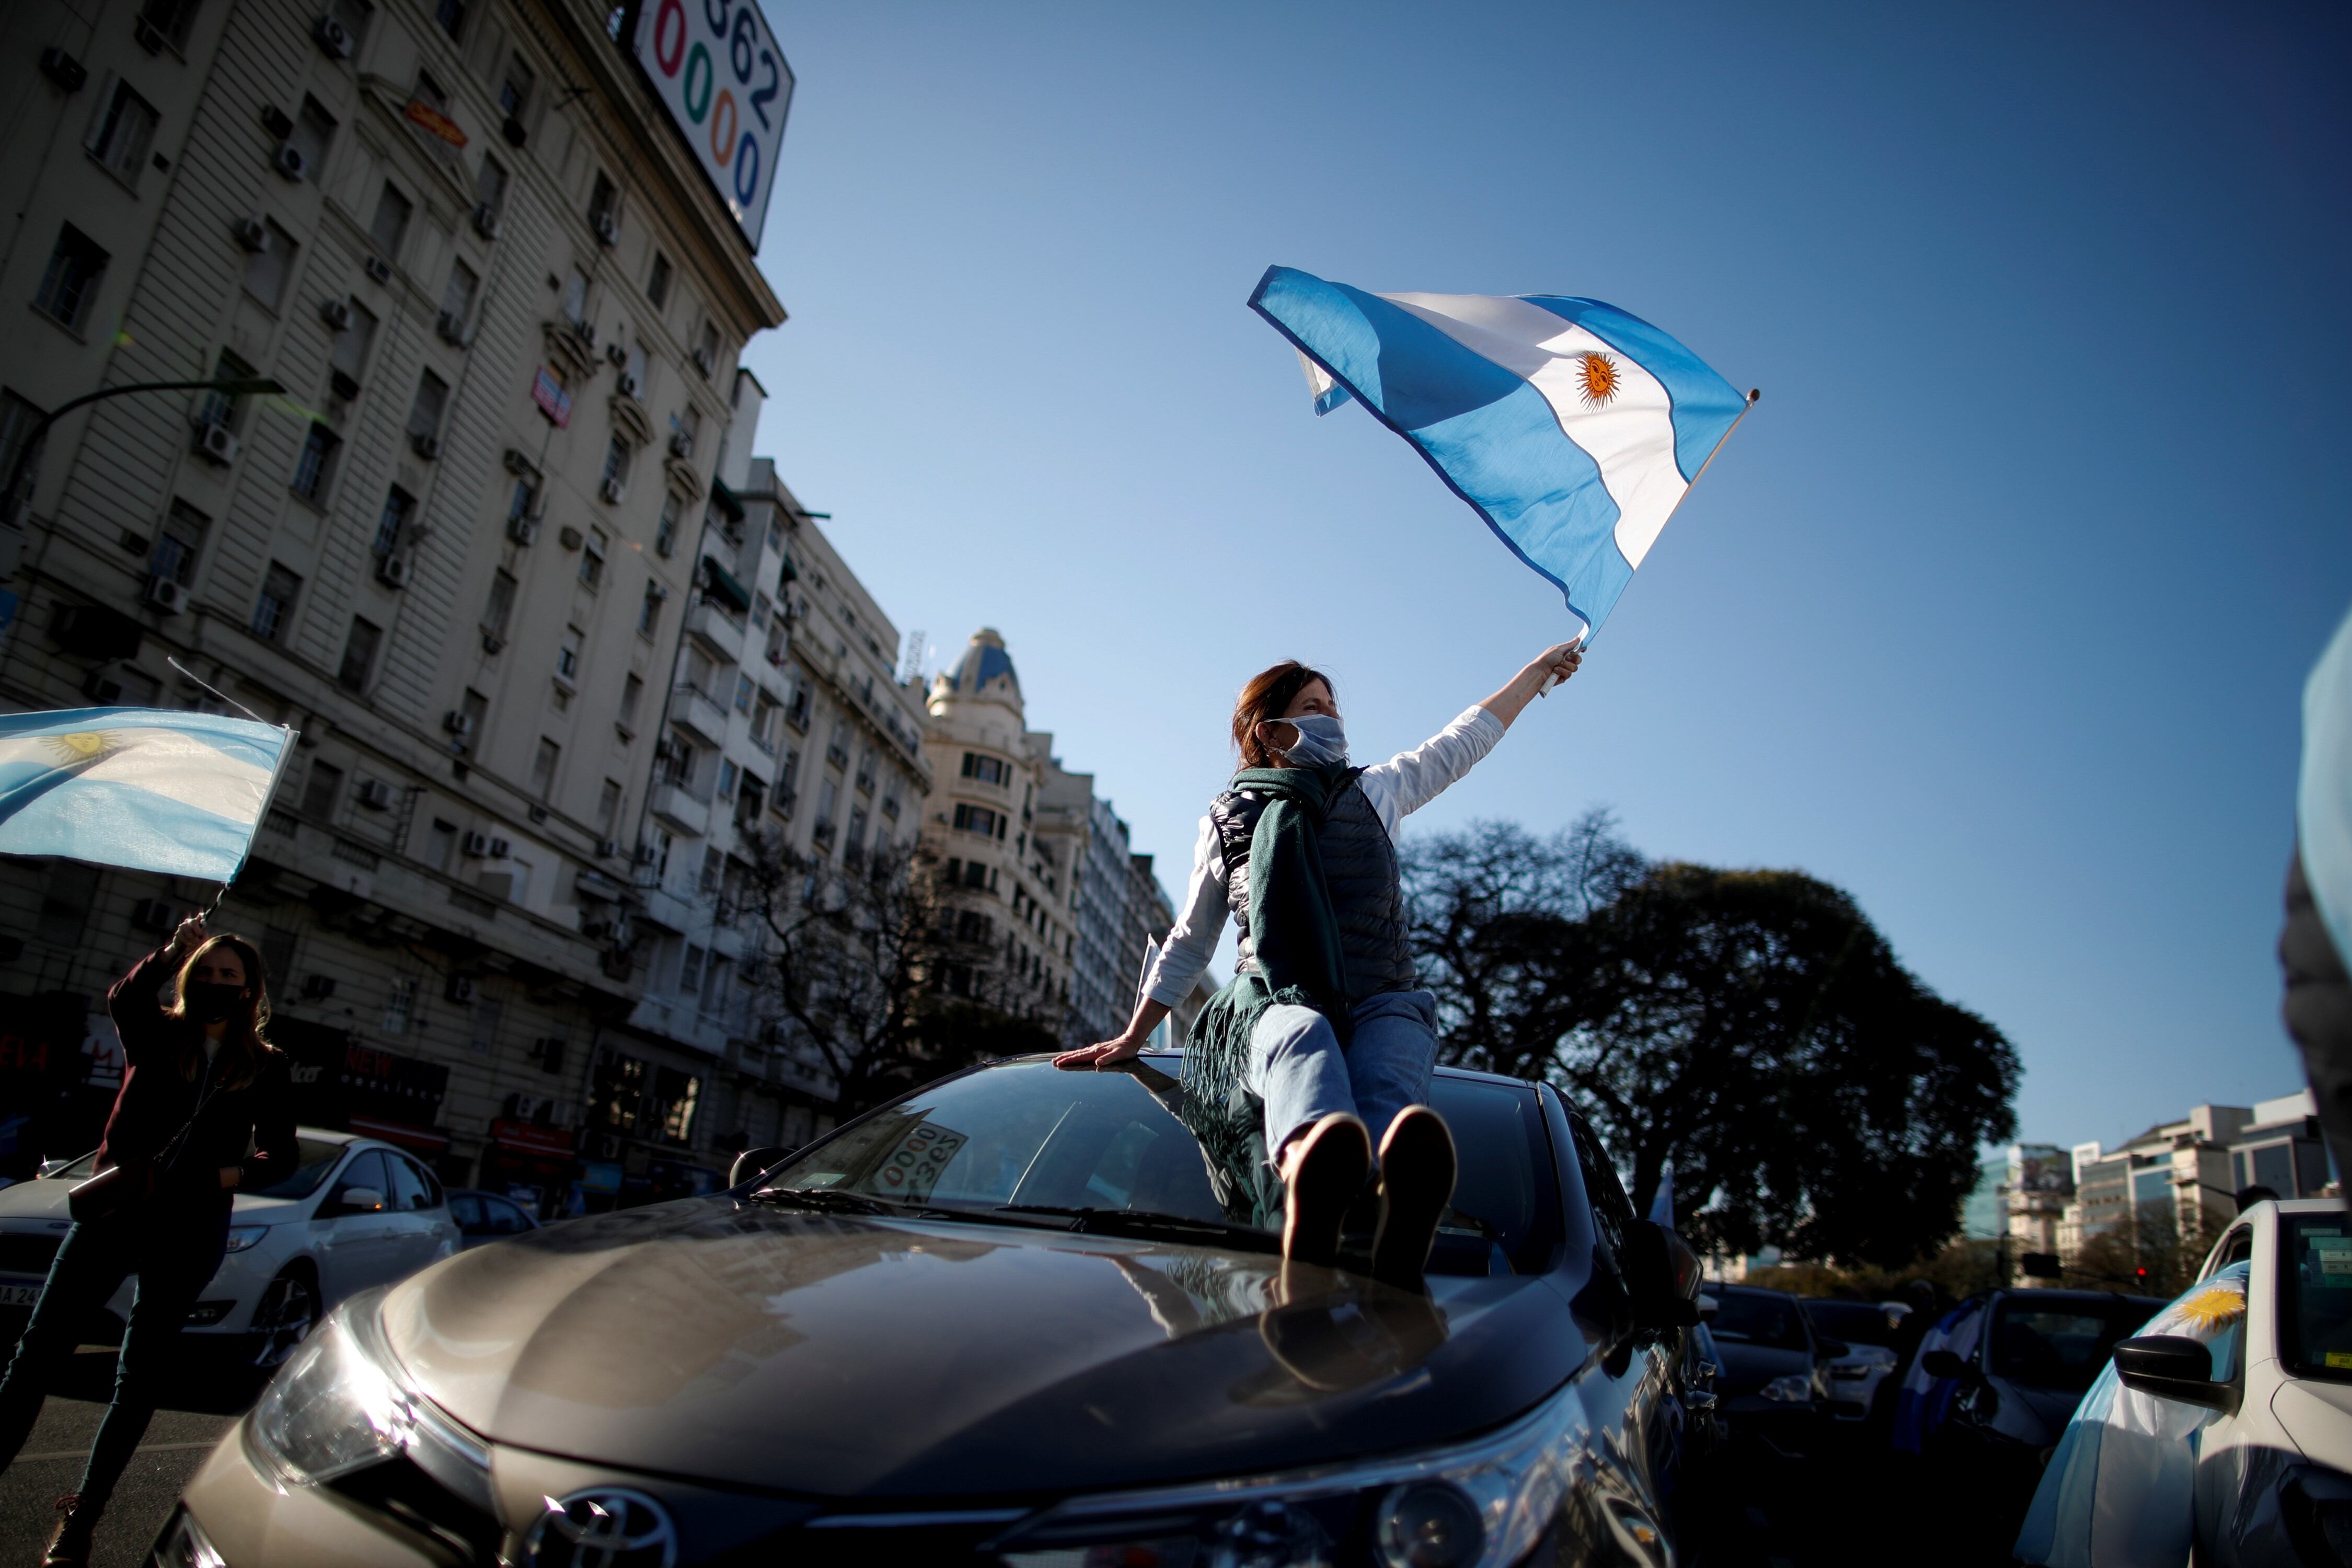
487, 1217
1773, 1386
355, 1213
2273, 1461
1867, 1330
1015, 1317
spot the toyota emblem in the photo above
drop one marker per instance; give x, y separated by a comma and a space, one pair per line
604, 1527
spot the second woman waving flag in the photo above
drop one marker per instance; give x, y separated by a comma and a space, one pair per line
1324, 1033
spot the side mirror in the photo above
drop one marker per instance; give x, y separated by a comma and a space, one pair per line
1833, 1349
2175, 1367
751, 1163
1944, 1363
358, 1200
1662, 1277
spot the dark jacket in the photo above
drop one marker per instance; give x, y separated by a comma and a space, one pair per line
251, 1128
1360, 874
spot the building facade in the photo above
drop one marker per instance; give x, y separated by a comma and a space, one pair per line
454, 553
2188, 1173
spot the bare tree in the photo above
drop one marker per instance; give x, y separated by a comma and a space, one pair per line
861, 968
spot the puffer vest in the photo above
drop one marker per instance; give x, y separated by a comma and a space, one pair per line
1360, 867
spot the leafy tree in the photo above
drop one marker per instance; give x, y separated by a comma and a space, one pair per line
1751, 1027
858, 971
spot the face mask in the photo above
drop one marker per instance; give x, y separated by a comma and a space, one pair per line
1322, 740
209, 1001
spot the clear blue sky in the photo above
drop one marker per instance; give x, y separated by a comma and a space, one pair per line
1995, 612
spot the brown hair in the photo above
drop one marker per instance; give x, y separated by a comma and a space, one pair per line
244, 1043
1268, 693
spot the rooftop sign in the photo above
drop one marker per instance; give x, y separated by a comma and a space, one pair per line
716, 68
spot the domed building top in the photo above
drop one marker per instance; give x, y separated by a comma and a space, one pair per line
986, 670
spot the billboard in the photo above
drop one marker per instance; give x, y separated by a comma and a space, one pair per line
716, 68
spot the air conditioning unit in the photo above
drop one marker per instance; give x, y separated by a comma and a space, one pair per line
425, 443
392, 571
476, 845
377, 268
608, 230
681, 445
334, 39
461, 988
344, 385
523, 530
289, 161
486, 220
61, 67
643, 855
375, 794
337, 314
500, 848
521, 466
458, 723
215, 442
607, 847
251, 233
618, 356
164, 594
452, 328
153, 914
702, 362
318, 987
627, 386
610, 490
492, 642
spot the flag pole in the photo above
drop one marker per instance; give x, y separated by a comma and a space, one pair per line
1753, 394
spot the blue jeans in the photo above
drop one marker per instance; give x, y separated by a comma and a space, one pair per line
1297, 1067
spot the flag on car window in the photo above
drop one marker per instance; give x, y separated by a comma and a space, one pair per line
1573, 429
137, 787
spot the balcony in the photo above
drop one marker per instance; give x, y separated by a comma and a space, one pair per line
709, 626
680, 810
699, 711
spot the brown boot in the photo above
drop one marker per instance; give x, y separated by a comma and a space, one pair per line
1417, 1173
1323, 1172
69, 1541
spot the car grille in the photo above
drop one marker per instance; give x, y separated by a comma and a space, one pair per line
22, 1254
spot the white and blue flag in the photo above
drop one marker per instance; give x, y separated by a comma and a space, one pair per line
139, 788
1572, 427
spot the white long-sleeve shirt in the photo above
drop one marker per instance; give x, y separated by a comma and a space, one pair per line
1396, 788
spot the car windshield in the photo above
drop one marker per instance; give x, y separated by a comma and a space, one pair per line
2062, 1346
2314, 1284
1758, 1318
1022, 1137
318, 1157
1855, 1322
78, 1170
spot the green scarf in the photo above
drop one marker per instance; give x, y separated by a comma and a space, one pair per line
1295, 940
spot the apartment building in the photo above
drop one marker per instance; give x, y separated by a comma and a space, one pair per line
505, 307
2190, 1171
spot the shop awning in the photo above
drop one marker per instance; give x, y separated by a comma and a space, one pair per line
424, 1140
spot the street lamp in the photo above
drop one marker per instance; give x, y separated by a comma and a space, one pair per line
235, 386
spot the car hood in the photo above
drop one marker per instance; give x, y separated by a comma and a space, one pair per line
2318, 1416
1748, 1367
38, 1199
839, 1356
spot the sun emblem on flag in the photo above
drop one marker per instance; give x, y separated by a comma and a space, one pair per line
81, 746
2212, 1307
1598, 379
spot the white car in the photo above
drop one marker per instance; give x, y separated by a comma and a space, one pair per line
357, 1213
2274, 1463
1867, 1330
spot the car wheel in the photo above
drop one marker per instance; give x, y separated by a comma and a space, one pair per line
287, 1312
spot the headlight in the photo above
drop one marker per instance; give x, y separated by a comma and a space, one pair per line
241, 1237
1791, 1390
1477, 1505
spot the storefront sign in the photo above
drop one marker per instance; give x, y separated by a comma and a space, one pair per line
530, 1138
547, 390
420, 112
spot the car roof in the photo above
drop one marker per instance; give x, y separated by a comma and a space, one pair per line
1753, 1290
2308, 1205
1472, 1074
327, 1135
2070, 1297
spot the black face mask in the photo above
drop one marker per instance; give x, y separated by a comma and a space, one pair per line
210, 1001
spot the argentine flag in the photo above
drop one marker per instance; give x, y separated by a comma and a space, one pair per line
1573, 429
139, 788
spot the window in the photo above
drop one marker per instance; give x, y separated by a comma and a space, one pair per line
591, 560
450, 14
688, 422
649, 610
708, 349
764, 723
122, 130
608, 810
475, 708
689, 969
542, 767
171, 19
616, 463
399, 1005
274, 608
567, 655
321, 790
499, 606
665, 531
514, 90
267, 269
440, 844
457, 294
657, 284
490, 185
17, 418
391, 221
828, 795
633, 692
743, 689
987, 770
69, 285
750, 795
399, 506
424, 412
177, 544
358, 654
316, 467
352, 342
979, 819
854, 842
603, 199
728, 773
575, 298
313, 133
519, 500
66, 894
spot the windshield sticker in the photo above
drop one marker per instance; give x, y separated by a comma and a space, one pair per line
913, 1166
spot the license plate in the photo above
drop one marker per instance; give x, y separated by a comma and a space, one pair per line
19, 1295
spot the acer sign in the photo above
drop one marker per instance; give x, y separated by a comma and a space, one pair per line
716, 68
